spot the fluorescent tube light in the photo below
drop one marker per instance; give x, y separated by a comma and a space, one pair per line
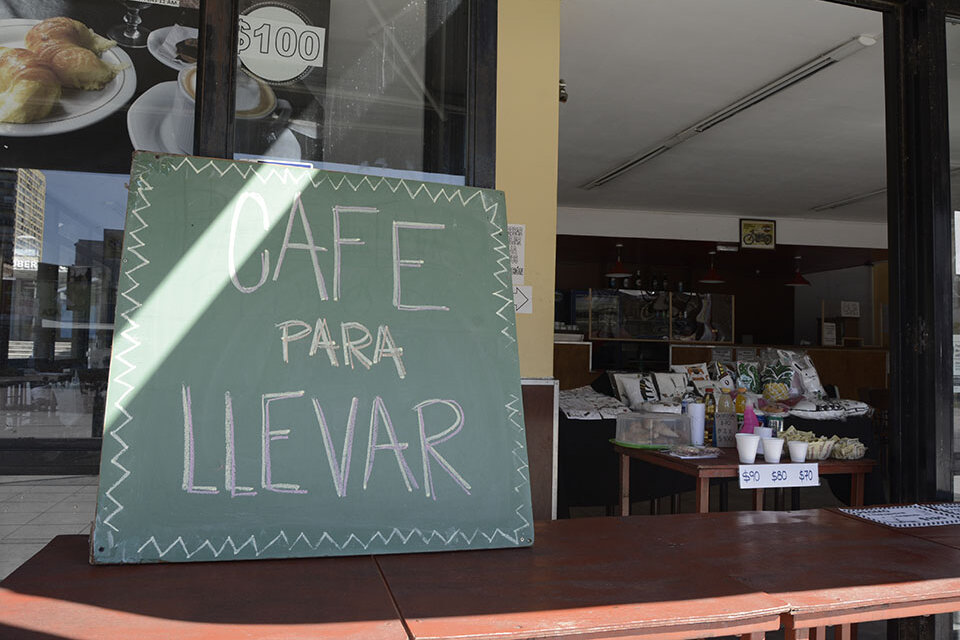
836, 204
626, 166
802, 72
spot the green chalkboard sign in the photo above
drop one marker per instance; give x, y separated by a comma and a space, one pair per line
307, 364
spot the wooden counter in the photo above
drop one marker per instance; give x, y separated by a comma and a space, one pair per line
682, 576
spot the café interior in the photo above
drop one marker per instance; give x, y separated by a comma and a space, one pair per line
731, 113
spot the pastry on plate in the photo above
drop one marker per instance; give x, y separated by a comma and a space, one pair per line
28, 87
73, 51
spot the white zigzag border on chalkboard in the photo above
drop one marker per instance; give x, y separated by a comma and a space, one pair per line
266, 173
128, 335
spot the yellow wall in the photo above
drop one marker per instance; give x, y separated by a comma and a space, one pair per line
528, 63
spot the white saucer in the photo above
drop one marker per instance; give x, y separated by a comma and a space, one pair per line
149, 119
155, 42
150, 125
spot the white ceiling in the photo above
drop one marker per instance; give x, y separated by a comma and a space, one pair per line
639, 71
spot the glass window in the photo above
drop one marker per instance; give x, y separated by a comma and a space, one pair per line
953, 86
90, 111
364, 86
65, 148
60, 236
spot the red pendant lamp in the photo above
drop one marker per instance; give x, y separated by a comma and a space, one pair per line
798, 280
712, 276
618, 270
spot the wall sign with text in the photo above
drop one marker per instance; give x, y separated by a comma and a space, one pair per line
277, 44
310, 363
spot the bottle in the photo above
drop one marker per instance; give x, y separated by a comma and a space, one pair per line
740, 403
708, 412
725, 402
725, 421
750, 422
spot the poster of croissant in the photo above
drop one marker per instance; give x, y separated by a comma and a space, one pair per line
85, 82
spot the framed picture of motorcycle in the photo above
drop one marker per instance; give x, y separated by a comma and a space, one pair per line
758, 234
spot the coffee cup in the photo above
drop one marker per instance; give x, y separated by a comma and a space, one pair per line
259, 116
798, 451
184, 107
772, 449
763, 432
747, 447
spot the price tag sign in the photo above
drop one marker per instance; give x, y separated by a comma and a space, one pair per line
768, 476
277, 45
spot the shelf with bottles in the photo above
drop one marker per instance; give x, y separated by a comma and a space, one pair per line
661, 316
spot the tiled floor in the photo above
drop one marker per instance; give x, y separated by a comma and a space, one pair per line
34, 509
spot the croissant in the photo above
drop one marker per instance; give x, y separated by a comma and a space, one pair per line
28, 87
73, 50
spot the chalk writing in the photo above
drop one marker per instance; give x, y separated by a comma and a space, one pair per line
399, 262
339, 469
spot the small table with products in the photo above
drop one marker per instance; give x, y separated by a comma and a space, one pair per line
727, 465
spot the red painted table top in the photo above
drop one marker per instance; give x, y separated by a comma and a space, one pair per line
596, 575
817, 560
57, 594
689, 575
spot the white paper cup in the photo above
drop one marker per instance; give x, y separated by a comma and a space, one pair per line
772, 448
798, 451
763, 432
747, 444
696, 411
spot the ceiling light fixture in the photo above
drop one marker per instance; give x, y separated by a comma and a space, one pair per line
836, 204
802, 72
798, 280
712, 276
618, 271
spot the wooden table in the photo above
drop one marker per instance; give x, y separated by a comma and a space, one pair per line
57, 594
727, 466
683, 576
598, 577
582, 579
831, 569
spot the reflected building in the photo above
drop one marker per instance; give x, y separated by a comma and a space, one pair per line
22, 207
29, 208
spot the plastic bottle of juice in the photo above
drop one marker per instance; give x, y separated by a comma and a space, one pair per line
741, 402
725, 402
725, 421
709, 410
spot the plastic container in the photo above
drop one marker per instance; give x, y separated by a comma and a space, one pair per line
724, 422
740, 404
653, 429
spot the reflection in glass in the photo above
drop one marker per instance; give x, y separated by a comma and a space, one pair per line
953, 89
131, 34
383, 91
60, 238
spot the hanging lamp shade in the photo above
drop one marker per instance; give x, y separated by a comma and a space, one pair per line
712, 276
618, 270
798, 280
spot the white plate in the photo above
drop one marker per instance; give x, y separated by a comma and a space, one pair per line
149, 120
154, 42
77, 108
150, 124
